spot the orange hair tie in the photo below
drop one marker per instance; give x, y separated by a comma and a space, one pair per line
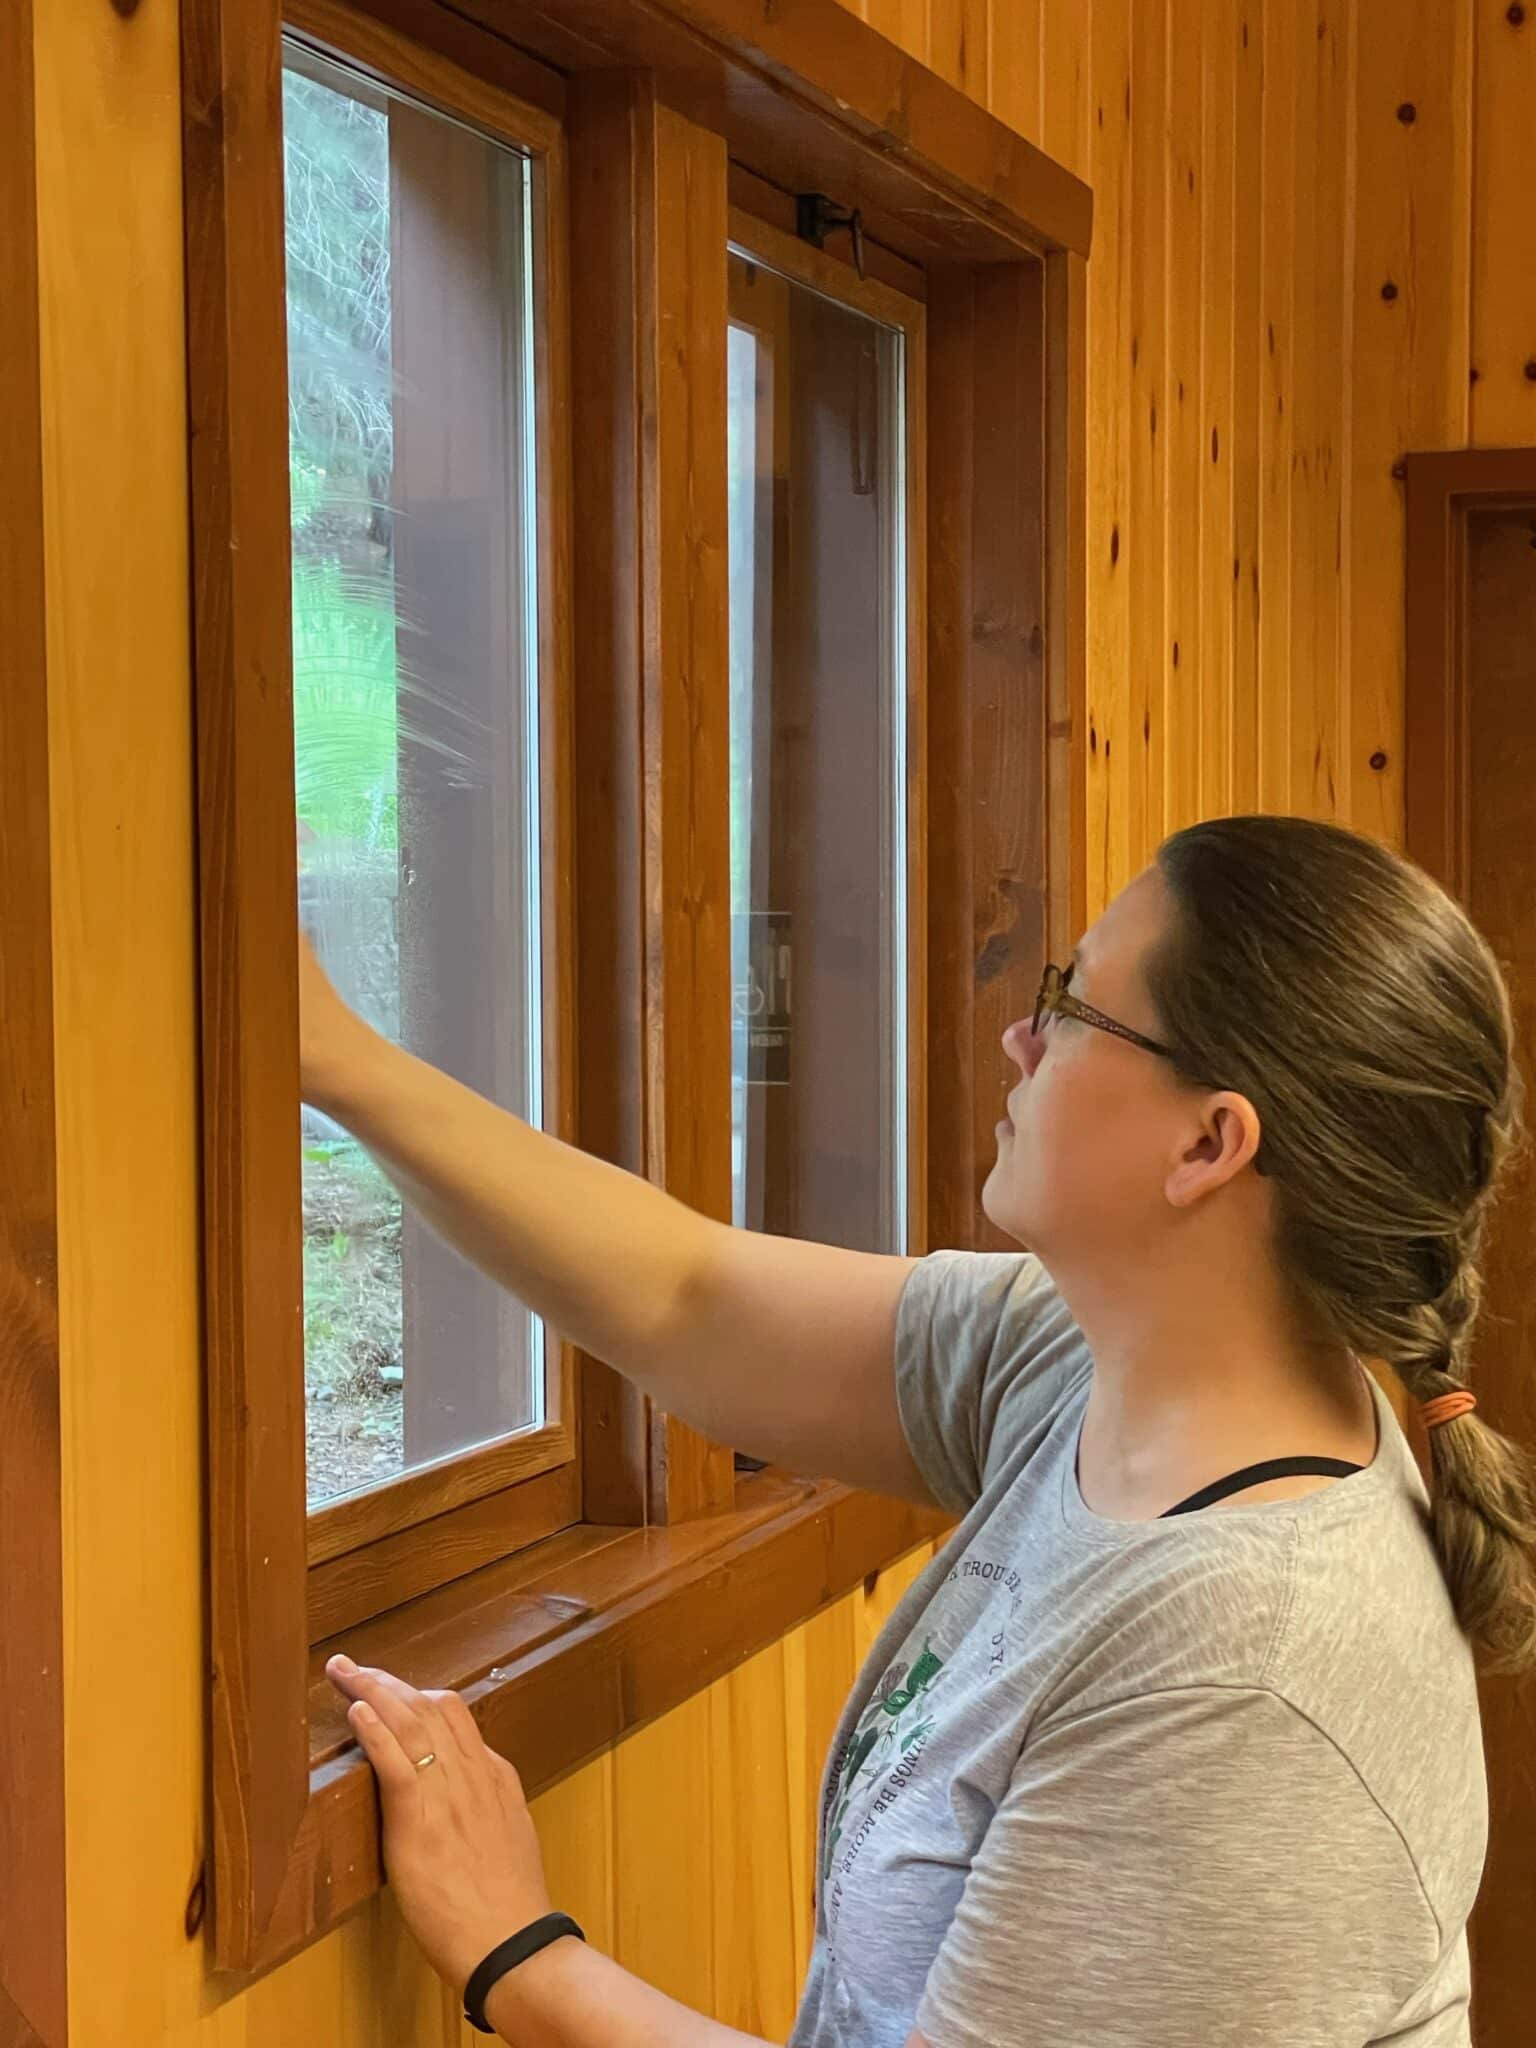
1446, 1408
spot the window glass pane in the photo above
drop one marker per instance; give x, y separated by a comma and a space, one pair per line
818, 764
415, 725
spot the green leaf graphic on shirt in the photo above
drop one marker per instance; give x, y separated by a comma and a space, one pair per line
921, 1676
879, 1732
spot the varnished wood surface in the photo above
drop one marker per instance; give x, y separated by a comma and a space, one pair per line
238, 403
32, 1838
629, 1840
1471, 815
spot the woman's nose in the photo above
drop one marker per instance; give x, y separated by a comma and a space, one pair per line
1023, 1045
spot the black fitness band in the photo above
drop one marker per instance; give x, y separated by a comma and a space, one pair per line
553, 1927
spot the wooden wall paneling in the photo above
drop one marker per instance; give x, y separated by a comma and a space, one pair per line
942, 181
1149, 435
820, 1661
109, 236
1277, 350
1302, 405
959, 44
1503, 256
239, 411
652, 625
1016, 76
753, 1842
664, 1917
575, 1824
1188, 440
1217, 442
1111, 754
987, 725
1249, 393
876, 1601
1319, 744
1066, 651
33, 1980
1412, 312
1066, 67
904, 21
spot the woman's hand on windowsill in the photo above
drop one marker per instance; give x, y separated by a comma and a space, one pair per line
460, 1848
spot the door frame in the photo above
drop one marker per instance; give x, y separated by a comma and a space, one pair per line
1444, 490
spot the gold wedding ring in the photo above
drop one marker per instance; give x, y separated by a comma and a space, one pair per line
429, 1758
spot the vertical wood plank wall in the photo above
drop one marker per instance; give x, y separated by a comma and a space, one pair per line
1313, 249
1313, 227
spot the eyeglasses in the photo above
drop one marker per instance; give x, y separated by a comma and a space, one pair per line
1054, 1001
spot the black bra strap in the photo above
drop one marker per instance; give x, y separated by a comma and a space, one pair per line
1252, 1475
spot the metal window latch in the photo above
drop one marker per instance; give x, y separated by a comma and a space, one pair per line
816, 217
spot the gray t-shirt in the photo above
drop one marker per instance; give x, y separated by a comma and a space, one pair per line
1214, 1781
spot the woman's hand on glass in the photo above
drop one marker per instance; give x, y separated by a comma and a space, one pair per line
330, 1034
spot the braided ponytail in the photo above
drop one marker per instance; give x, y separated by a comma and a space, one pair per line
1355, 1005
1482, 1486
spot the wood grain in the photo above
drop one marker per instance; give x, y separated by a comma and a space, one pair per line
1212, 778
1147, 535
1471, 747
652, 624
420, 47
1503, 254
1414, 234
33, 1986
238, 399
1066, 489
1188, 438
1245, 55
1016, 81
600, 1674
1110, 752
1277, 343
816, 100
248, 888
424, 1555
987, 602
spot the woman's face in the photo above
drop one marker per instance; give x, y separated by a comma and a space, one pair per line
1095, 1126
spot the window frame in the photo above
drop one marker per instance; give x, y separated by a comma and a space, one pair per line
678, 1567
756, 233
356, 1564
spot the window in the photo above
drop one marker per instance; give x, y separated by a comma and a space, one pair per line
819, 642
416, 725
666, 757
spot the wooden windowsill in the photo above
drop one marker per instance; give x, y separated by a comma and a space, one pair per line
568, 1647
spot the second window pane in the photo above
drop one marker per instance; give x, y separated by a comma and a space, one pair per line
818, 764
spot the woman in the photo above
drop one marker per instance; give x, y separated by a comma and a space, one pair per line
1164, 1748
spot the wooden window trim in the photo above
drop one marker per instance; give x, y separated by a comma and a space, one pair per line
777, 247
33, 1960
1443, 488
514, 102
678, 1570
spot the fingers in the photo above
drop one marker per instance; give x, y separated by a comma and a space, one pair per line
458, 1725
402, 1710
395, 1771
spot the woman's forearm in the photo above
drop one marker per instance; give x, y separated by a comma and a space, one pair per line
603, 1256
570, 1996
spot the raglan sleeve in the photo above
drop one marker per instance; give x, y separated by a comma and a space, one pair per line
986, 1351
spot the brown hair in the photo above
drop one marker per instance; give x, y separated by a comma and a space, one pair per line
1353, 1002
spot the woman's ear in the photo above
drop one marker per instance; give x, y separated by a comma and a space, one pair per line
1225, 1141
